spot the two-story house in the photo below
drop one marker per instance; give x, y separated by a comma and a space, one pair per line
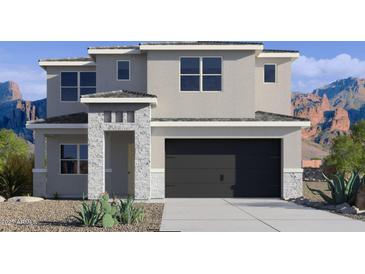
170, 119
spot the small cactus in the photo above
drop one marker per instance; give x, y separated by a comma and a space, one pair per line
109, 210
108, 220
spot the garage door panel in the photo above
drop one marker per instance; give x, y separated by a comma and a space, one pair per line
223, 168
200, 190
200, 161
193, 175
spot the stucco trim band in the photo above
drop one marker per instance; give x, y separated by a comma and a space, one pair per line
39, 170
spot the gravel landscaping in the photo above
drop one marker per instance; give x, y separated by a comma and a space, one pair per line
56, 215
315, 201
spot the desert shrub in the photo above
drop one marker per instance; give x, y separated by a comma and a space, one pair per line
16, 175
89, 214
347, 153
11, 144
128, 213
105, 213
343, 189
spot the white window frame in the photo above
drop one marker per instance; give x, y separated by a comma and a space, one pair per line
276, 74
77, 159
129, 70
78, 86
201, 75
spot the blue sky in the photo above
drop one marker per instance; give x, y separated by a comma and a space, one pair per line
320, 62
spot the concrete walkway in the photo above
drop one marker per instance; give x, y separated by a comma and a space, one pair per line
250, 215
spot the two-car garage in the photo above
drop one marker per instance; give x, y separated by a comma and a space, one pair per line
222, 168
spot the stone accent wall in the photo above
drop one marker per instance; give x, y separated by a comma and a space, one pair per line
292, 185
157, 184
142, 139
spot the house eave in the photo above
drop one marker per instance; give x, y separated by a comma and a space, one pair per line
297, 124
45, 64
55, 126
95, 51
119, 101
201, 47
293, 55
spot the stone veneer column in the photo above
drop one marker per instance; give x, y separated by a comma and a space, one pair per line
292, 184
142, 141
96, 174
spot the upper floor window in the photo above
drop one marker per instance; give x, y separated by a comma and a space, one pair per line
123, 70
190, 74
212, 74
75, 84
269, 73
200, 74
74, 158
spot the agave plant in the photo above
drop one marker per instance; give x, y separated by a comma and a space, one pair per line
342, 190
128, 213
90, 214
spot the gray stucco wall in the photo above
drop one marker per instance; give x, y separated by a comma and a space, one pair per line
54, 105
65, 185
237, 98
274, 97
106, 72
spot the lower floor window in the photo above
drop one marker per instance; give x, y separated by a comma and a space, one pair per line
74, 158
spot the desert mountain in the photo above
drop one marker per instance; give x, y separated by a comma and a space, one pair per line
332, 109
15, 112
9, 91
327, 120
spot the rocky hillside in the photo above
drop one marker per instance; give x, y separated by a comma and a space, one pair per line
332, 109
15, 112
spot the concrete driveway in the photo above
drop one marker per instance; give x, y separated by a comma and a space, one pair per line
250, 215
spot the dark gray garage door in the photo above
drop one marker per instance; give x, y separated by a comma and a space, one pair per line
223, 167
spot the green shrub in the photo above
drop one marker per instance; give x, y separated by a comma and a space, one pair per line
128, 213
10, 145
16, 175
342, 190
90, 214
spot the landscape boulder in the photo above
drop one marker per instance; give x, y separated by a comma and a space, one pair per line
2, 199
24, 199
345, 208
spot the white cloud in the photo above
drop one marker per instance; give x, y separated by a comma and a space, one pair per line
31, 80
310, 73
